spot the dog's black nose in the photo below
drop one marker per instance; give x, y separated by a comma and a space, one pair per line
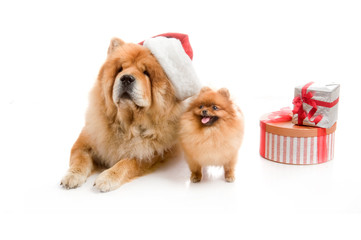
204, 112
127, 80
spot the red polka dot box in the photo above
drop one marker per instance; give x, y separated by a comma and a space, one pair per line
282, 141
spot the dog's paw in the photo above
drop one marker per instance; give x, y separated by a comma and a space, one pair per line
196, 177
230, 178
73, 180
107, 181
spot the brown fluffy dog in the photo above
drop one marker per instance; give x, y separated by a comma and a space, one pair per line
211, 132
131, 120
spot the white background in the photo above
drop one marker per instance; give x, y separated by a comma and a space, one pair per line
50, 53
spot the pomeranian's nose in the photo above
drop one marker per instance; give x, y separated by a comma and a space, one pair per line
204, 112
127, 80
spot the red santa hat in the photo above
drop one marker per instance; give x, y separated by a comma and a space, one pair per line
174, 53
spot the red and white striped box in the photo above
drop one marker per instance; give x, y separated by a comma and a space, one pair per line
284, 142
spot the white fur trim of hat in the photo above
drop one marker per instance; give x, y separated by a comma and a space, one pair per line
176, 64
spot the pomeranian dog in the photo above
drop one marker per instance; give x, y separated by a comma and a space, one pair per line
211, 133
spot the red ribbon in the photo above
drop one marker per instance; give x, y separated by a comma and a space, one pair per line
283, 115
322, 150
307, 98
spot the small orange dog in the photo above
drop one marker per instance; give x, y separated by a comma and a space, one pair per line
211, 133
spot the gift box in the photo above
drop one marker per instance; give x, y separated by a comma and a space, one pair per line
284, 142
316, 104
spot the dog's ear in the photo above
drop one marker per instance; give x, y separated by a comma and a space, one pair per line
114, 44
224, 92
205, 89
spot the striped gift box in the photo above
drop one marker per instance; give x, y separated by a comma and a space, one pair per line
285, 142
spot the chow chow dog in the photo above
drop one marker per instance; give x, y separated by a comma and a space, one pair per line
131, 122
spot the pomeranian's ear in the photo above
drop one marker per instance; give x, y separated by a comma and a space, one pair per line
224, 92
205, 89
114, 44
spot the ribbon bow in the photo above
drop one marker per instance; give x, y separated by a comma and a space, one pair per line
298, 106
283, 115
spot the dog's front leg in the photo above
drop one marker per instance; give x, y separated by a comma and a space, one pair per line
122, 172
81, 164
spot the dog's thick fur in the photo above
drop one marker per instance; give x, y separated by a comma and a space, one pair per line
131, 122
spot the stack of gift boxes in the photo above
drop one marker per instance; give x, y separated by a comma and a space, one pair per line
306, 134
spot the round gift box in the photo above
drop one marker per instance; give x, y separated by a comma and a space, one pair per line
284, 142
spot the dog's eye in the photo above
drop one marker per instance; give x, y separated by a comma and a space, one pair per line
120, 69
146, 73
201, 106
215, 108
